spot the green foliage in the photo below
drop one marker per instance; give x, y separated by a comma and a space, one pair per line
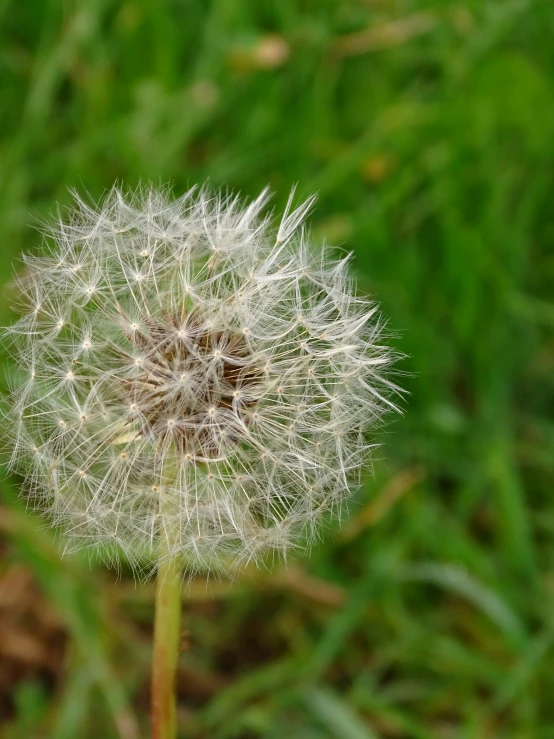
428, 130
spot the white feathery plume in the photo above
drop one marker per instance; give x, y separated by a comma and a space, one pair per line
192, 382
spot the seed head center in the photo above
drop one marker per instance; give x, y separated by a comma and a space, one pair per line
186, 381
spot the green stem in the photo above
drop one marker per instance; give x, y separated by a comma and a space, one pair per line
166, 649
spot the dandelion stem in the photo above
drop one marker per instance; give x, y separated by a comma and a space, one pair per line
166, 649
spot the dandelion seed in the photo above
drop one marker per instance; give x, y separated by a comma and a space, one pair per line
184, 377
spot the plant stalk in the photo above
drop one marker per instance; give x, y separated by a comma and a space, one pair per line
167, 623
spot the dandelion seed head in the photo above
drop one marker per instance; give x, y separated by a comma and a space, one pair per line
225, 403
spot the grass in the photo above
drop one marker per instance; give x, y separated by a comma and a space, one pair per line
428, 130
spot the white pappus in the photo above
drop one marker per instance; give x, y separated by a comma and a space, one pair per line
191, 380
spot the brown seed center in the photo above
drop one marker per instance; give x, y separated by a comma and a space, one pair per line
190, 383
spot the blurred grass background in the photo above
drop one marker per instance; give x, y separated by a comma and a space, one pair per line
428, 130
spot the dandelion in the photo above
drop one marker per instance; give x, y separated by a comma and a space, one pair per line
194, 386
